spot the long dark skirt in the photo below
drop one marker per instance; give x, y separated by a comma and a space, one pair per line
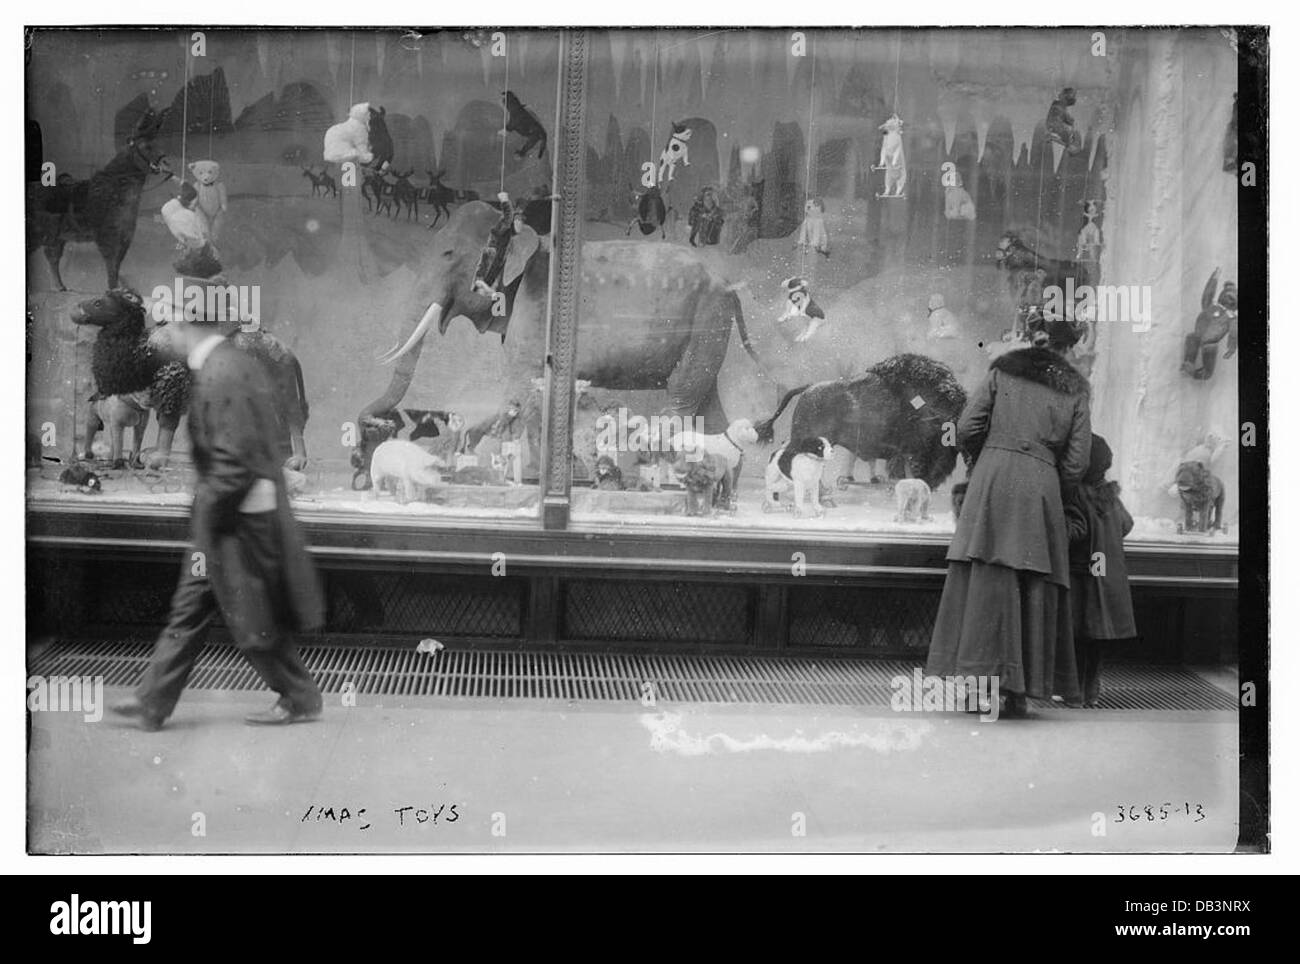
1008, 623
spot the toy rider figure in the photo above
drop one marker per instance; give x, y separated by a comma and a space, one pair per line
494, 252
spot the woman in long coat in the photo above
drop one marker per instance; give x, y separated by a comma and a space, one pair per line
1005, 609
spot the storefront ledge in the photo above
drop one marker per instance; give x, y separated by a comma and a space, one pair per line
473, 546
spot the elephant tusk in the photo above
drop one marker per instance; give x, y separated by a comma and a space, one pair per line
420, 331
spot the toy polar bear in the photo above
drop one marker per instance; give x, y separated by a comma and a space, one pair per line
212, 194
350, 140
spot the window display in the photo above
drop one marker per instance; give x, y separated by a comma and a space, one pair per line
336, 195
803, 249
800, 252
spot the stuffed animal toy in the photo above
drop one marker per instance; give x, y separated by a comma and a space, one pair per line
1060, 123
350, 140
79, 477
943, 323
1202, 495
520, 120
958, 498
725, 448
651, 212
212, 195
800, 304
609, 477
913, 500
381, 142
1088, 246
701, 477
798, 466
198, 255
812, 232
957, 203
183, 220
705, 218
892, 160
1218, 318
677, 149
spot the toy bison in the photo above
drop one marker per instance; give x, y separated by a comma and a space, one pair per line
897, 411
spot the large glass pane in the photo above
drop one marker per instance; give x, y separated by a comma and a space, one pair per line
349, 186
793, 236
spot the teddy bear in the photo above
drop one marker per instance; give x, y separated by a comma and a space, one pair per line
350, 140
212, 194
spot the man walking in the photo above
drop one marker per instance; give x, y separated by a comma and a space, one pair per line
247, 558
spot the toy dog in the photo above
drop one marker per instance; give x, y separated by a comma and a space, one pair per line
912, 497
677, 149
798, 466
1202, 494
726, 448
609, 477
812, 232
701, 479
801, 305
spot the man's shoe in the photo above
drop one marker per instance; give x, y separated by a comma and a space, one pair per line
132, 708
280, 715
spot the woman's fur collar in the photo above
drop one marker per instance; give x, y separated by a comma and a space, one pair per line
1044, 366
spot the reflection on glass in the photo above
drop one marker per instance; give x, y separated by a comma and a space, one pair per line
802, 249
375, 209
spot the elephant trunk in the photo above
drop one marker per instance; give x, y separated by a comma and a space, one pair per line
397, 385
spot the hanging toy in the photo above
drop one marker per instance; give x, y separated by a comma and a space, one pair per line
350, 140
957, 204
190, 229
677, 149
1060, 123
493, 257
801, 305
1088, 246
892, 161
212, 194
812, 232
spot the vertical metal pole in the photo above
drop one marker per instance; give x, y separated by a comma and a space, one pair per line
566, 275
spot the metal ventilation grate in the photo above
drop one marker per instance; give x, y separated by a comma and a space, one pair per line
498, 674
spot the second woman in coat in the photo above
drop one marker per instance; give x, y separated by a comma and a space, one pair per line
1005, 609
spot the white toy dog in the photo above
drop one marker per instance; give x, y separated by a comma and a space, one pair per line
350, 140
913, 500
812, 232
798, 466
801, 305
892, 161
726, 448
675, 150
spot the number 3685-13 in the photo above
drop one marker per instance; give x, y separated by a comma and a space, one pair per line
1152, 813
